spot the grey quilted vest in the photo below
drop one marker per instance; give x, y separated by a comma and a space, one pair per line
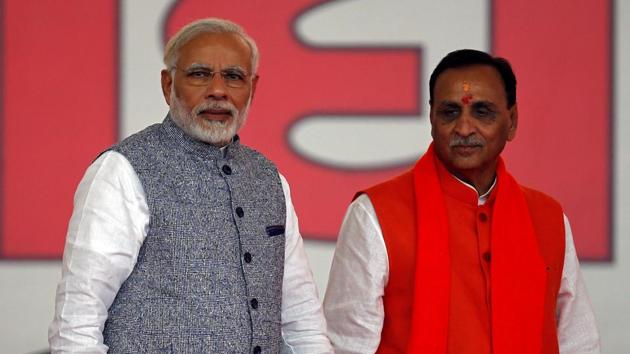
209, 273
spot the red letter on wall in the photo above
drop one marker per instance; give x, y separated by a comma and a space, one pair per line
59, 108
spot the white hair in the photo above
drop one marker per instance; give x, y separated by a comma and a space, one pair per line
207, 25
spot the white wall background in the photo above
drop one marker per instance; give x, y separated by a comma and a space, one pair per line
27, 288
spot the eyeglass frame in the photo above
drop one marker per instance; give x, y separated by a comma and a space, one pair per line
210, 76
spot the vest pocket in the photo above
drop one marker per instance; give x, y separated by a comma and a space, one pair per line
274, 230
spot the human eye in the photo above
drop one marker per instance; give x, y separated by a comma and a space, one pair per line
448, 112
233, 75
199, 74
483, 111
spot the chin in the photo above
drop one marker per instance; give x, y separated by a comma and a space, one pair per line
465, 163
220, 136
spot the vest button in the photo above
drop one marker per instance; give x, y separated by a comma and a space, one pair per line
248, 257
254, 303
240, 212
227, 170
487, 256
257, 349
483, 217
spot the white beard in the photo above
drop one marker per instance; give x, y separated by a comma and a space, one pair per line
218, 133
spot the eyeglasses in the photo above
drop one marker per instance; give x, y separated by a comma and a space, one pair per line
233, 77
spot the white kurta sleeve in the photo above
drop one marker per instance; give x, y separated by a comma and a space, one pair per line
577, 330
303, 322
107, 228
354, 297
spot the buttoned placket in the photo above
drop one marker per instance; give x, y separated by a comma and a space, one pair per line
483, 216
228, 171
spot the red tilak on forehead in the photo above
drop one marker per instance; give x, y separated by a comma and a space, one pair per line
467, 96
466, 99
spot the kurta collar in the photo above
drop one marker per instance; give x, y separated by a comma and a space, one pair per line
460, 190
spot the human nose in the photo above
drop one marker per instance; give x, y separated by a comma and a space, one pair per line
465, 125
216, 87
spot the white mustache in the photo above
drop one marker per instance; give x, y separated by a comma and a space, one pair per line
469, 141
215, 105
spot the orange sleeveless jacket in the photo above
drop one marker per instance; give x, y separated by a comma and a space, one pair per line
394, 203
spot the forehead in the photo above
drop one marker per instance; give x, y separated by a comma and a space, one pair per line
215, 49
482, 81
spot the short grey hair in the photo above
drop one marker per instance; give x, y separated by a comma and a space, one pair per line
206, 25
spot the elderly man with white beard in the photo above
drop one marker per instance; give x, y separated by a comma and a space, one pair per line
182, 239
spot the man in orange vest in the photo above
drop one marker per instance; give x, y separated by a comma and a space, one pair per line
455, 256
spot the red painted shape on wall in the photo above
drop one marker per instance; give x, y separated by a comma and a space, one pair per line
59, 107
58, 111
563, 144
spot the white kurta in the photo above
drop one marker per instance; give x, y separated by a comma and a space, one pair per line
354, 297
107, 228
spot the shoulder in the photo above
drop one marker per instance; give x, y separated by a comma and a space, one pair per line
256, 162
109, 175
548, 221
254, 154
537, 199
393, 187
143, 138
150, 149
110, 165
393, 200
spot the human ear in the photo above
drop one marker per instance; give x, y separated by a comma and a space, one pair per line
167, 82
